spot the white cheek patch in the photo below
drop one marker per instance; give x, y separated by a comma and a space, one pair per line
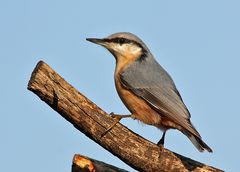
127, 49
134, 49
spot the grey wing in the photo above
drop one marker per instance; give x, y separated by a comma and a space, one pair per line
148, 80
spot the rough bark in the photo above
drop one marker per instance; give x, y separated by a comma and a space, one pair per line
82, 163
88, 118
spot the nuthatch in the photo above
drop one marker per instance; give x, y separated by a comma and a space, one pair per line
146, 89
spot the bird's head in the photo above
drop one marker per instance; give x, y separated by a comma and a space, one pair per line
123, 45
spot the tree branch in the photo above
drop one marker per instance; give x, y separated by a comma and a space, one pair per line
88, 118
82, 163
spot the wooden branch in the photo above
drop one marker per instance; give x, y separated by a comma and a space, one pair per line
83, 163
88, 118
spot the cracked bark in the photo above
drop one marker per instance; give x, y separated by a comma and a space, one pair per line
88, 118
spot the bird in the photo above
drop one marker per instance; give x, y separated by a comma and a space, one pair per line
146, 89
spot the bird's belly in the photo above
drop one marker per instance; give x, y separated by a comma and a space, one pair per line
137, 106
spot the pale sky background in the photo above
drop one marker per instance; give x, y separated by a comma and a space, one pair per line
197, 42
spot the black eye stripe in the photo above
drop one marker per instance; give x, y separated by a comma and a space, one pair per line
121, 41
127, 41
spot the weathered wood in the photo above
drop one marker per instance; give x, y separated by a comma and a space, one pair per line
84, 163
88, 118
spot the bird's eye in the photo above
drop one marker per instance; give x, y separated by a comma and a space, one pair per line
121, 41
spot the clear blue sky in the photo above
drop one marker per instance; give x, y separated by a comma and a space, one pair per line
197, 42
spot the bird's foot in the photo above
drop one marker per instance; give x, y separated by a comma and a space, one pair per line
117, 116
117, 119
161, 142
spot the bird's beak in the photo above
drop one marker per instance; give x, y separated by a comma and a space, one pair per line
97, 41
104, 42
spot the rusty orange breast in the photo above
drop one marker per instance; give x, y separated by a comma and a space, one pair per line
136, 105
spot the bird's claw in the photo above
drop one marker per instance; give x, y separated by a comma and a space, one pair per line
160, 143
112, 114
115, 116
118, 118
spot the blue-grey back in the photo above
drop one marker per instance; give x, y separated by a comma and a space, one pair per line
148, 73
147, 79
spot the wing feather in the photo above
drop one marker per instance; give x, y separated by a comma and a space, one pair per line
148, 80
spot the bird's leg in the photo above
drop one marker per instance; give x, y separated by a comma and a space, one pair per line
118, 118
161, 141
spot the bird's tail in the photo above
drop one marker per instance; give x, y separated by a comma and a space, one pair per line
198, 142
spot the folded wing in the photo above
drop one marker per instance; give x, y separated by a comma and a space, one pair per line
148, 80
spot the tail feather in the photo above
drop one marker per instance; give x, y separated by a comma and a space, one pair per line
198, 143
